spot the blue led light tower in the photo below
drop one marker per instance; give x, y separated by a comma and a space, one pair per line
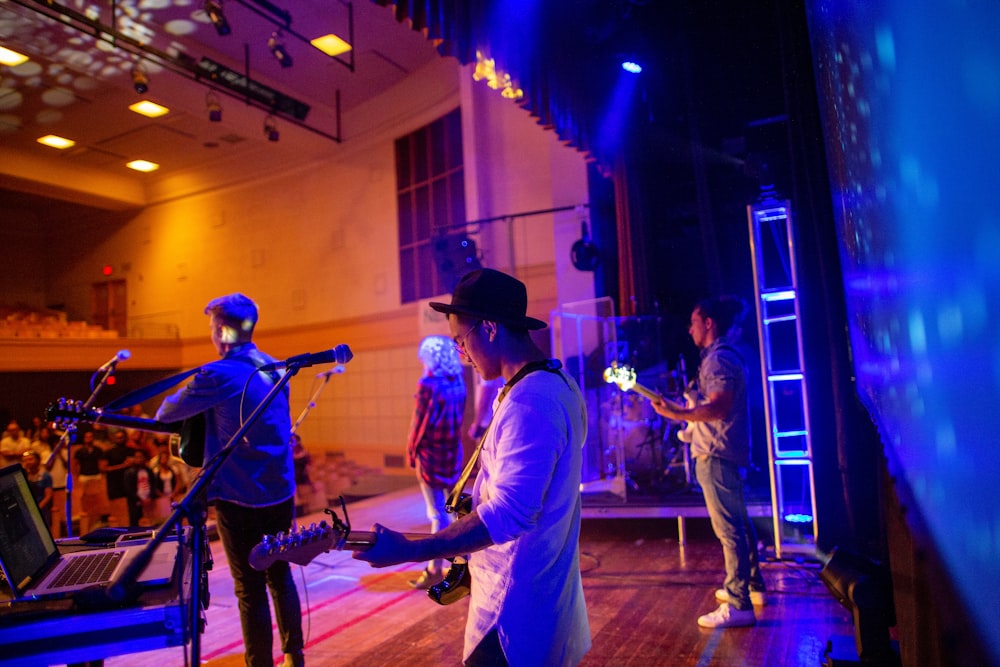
793, 495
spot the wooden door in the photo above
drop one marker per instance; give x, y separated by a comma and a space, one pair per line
109, 306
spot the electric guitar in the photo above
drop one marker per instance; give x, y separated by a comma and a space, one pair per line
302, 545
624, 376
67, 412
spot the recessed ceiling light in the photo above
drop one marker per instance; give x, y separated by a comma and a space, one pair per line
11, 58
142, 165
331, 45
147, 108
56, 142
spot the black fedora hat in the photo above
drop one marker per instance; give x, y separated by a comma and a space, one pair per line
491, 295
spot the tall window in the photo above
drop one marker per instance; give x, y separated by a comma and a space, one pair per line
431, 202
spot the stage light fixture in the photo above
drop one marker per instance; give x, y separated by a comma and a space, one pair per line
214, 108
864, 588
271, 129
140, 80
278, 49
631, 66
213, 8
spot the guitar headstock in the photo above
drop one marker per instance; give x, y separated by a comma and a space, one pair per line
300, 545
66, 412
622, 375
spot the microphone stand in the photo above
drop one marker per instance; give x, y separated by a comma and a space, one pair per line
312, 401
124, 588
69, 436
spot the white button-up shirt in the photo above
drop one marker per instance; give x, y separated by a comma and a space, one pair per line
527, 493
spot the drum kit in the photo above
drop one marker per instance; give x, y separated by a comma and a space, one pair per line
656, 459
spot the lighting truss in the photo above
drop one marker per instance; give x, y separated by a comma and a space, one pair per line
240, 87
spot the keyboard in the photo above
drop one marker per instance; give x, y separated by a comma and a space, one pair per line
88, 569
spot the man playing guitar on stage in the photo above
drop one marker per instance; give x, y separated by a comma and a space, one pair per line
522, 532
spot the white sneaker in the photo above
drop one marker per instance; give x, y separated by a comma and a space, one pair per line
727, 617
757, 598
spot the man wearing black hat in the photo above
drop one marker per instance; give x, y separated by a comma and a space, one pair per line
527, 605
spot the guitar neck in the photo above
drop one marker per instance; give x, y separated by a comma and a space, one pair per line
301, 545
645, 392
359, 540
59, 413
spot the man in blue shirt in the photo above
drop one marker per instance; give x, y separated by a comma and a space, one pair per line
253, 491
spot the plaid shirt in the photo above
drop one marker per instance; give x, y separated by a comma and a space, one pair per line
435, 439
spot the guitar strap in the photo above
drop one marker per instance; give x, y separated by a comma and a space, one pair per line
455, 497
160, 386
149, 391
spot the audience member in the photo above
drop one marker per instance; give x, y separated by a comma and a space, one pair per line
31, 433
13, 445
116, 461
57, 467
87, 476
173, 482
40, 482
102, 436
142, 487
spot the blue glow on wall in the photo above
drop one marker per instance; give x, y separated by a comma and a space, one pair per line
910, 95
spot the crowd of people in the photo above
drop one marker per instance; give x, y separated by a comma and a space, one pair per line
120, 477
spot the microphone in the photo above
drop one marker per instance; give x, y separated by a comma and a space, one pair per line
340, 354
120, 355
336, 370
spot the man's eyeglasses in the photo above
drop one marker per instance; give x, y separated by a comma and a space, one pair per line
460, 340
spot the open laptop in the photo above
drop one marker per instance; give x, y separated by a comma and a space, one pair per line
32, 564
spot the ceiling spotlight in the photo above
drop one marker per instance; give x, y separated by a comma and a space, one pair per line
279, 50
56, 141
149, 109
11, 58
214, 108
632, 66
271, 129
215, 14
142, 165
140, 80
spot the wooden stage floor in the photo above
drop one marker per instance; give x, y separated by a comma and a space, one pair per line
644, 593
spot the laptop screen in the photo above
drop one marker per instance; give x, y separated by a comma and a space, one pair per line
26, 544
